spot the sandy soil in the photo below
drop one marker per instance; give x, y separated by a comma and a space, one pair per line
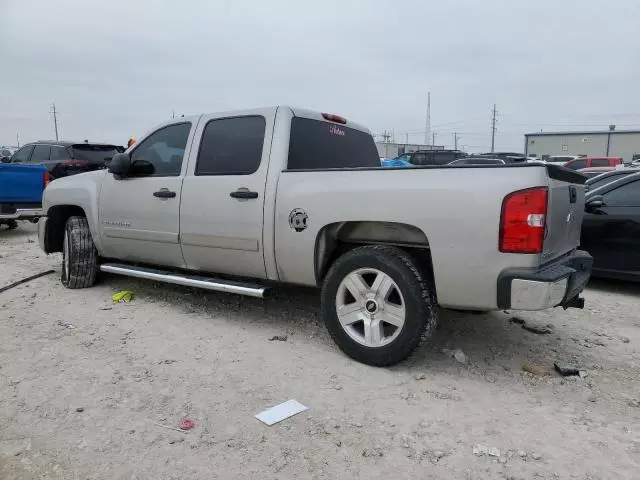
174, 353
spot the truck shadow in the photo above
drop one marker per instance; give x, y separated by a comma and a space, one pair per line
17, 233
490, 341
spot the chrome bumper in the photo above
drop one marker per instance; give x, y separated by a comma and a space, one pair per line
557, 284
532, 295
22, 213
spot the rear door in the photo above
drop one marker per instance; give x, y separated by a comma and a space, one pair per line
222, 208
565, 212
138, 214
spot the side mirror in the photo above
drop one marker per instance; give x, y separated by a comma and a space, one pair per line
120, 164
594, 203
142, 168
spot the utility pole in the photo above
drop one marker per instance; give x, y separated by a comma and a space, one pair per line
406, 139
385, 136
18, 138
493, 129
427, 127
455, 140
173, 114
55, 119
433, 138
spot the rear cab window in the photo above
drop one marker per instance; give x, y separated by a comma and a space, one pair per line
316, 144
600, 162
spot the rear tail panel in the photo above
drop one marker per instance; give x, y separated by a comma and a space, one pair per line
565, 212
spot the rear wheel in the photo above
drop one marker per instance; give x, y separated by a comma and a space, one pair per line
79, 255
377, 305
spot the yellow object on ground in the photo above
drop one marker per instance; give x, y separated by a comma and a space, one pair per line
123, 296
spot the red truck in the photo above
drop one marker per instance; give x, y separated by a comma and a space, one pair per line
588, 162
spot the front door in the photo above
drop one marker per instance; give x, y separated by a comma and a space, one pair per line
139, 214
611, 233
221, 213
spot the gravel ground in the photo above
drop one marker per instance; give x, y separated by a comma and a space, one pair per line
90, 402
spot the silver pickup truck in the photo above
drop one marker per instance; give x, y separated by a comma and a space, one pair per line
241, 201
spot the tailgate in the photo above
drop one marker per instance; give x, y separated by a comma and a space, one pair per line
565, 211
21, 183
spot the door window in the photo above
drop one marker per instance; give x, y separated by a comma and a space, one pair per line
231, 146
40, 153
577, 164
164, 149
625, 196
59, 153
22, 155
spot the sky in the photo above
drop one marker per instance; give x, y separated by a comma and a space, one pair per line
116, 68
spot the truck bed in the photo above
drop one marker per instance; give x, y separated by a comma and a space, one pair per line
21, 184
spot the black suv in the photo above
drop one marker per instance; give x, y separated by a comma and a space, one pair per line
66, 158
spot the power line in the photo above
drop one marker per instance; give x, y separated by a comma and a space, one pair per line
428, 120
55, 119
493, 129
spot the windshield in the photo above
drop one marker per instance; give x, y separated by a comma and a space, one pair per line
94, 153
315, 144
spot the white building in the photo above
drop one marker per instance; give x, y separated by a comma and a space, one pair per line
603, 143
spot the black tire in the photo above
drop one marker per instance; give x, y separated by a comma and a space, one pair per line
79, 255
418, 297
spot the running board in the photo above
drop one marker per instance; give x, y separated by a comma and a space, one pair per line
215, 284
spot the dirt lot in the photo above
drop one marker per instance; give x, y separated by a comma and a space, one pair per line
174, 353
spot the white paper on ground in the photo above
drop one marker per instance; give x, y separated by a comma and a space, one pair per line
280, 412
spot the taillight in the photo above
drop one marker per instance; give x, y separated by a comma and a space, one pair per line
334, 118
523, 220
46, 178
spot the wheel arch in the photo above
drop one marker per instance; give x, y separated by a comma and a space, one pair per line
57, 217
335, 239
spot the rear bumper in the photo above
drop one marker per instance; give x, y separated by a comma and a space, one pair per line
22, 214
558, 284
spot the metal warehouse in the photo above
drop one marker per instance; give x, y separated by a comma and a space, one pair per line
603, 143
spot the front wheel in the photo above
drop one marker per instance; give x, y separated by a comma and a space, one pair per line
79, 255
377, 305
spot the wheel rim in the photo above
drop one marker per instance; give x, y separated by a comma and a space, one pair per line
66, 262
370, 307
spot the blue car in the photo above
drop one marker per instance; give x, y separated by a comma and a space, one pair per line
395, 162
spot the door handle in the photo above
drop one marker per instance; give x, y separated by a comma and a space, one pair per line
164, 193
243, 193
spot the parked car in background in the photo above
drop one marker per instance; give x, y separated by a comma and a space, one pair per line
431, 157
477, 161
5, 155
66, 158
588, 162
289, 195
21, 188
560, 159
608, 177
611, 228
592, 172
508, 157
395, 162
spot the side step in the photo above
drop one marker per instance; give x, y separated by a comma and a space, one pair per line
218, 285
